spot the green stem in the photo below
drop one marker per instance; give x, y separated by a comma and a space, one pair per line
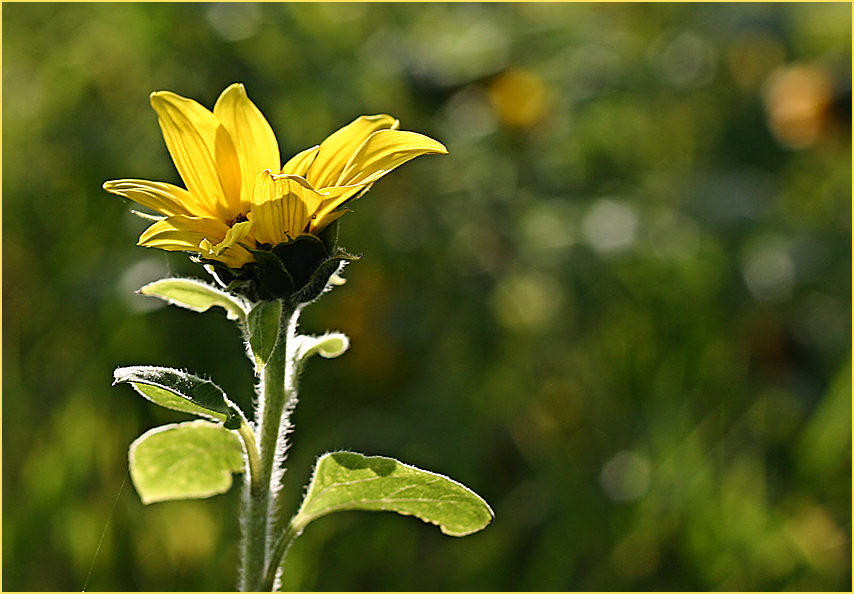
281, 547
252, 455
276, 396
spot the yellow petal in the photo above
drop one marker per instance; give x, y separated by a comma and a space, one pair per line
235, 235
380, 153
203, 153
299, 163
332, 199
254, 140
183, 233
336, 150
384, 151
282, 207
320, 222
235, 257
161, 197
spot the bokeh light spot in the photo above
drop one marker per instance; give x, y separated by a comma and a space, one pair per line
797, 98
626, 476
520, 97
527, 301
768, 270
610, 226
135, 277
234, 21
687, 61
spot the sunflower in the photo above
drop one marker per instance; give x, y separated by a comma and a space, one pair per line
240, 203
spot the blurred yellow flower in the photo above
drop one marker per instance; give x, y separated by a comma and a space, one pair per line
237, 197
520, 97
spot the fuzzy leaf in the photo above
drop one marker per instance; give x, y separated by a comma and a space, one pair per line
184, 461
348, 481
181, 391
264, 331
329, 345
195, 295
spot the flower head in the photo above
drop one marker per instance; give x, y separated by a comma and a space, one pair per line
240, 203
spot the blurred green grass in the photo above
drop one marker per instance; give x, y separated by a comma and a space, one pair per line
619, 309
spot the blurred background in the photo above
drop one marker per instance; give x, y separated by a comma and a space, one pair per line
619, 309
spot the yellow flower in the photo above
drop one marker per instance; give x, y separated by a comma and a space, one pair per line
238, 197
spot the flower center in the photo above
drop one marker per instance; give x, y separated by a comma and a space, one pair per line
238, 219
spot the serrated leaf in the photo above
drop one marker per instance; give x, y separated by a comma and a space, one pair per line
264, 320
181, 391
191, 460
195, 295
347, 481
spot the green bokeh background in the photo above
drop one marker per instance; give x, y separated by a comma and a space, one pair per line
619, 309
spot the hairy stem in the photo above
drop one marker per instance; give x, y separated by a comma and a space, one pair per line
277, 557
276, 397
253, 457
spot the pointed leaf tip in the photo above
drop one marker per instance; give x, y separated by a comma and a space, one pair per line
264, 320
181, 391
196, 295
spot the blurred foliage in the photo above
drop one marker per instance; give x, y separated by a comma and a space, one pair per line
619, 309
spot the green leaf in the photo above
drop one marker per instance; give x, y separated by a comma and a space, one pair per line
196, 295
347, 481
264, 322
329, 345
184, 461
181, 391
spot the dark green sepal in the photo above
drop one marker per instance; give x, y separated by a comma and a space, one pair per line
272, 279
228, 278
301, 257
319, 279
296, 271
